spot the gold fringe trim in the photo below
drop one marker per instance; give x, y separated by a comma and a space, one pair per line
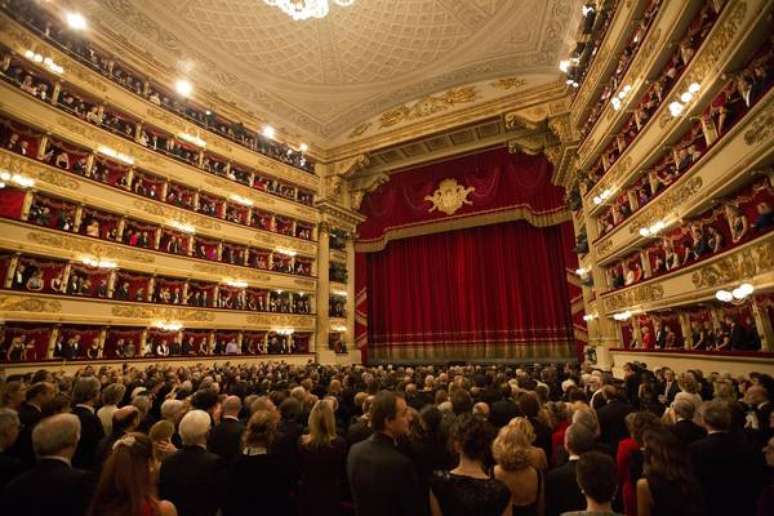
455, 351
520, 212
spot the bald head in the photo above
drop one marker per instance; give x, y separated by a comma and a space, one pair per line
231, 406
57, 436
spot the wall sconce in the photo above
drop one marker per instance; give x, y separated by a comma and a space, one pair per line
590, 317
244, 201
341, 293
99, 263
285, 331
285, 251
17, 179
181, 226
190, 138
339, 328
112, 153
677, 107
235, 283
654, 229
622, 316
168, 325
737, 295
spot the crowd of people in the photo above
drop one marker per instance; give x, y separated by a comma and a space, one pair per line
388, 440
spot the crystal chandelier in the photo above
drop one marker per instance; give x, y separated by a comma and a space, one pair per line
305, 9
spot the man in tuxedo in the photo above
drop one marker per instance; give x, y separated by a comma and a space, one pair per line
562, 491
384, 481
190, 477
661, 336
52, 486
504, 409
225, 438
729, 469
670, 387
612, 417
759, 413
685, 429
86, 394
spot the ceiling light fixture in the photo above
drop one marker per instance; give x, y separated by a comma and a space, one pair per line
304, 9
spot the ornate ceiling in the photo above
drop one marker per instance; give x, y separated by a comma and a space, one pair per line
322, 79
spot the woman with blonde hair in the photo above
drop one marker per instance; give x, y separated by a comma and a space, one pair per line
127, 484
322, 459
519, 466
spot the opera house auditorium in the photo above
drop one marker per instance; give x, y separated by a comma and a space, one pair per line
386, 257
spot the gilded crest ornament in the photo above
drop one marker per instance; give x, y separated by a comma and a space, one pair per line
449, 197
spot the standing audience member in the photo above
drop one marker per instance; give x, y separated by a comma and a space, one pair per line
468, 489
595, 474
684, 428
668, 486
629, 459
125, 420
52, 486
190, 477
562, 491
127, 484
323, 456
257, 480
518, 468
725, 463
85, 396
10, 466
111, 397
382, 480
226, 437
612, 417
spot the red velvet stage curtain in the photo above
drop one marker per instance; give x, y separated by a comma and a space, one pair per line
490, 292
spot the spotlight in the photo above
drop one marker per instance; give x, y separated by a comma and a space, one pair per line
76, 21
184, 87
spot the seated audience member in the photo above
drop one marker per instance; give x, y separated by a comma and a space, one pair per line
126, 484
595, 474
382, 480
467, 489
562, 491
725, 462
190, 477
516, 467
668, 486
258, 478
684, 428
10, 466
52, 486
322, 463
226, 437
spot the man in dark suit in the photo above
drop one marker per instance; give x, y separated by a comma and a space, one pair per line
383, 481
612, 424
10, 466
660, 335
562, 491
52, 486
190, 478
504, 409
685, 429
226, 438
86, 393
669, 388
30, 413
729, 469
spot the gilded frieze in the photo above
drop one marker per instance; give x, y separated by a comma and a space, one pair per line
164, 314
603, 247
428, 106
179, 216
304, 283
282, 320
666, 204
737, 266
644, 54
224, 271
228, 186
508, 83
88, 247
28, 304
19, 165
278, 241
615, 175
633, 297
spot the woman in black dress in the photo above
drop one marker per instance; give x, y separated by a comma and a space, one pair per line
668, 486
468, 490
322, 456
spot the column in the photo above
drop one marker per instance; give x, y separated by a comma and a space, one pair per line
112, 284
27, 204
90, 165
636, 331
55, 93
186, 286
102, 338
323, 294
349, 338
120, 229
78, 218
685, 327
8, 282
52, 341
43, 146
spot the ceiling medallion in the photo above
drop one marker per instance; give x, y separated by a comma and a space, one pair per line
449, 197
305, 9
